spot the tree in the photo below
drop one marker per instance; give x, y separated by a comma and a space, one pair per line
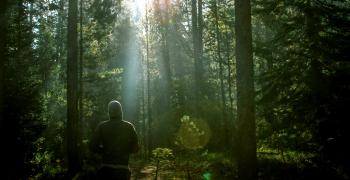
247, 159
20, 86
303, 88
72, 90
3, 59
149, 107
221, 69
197, 33
81, 63
3, 32
163, 29
199, 71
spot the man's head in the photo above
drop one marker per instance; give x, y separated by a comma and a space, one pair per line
115, 110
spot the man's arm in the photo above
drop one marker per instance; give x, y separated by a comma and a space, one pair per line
134, 141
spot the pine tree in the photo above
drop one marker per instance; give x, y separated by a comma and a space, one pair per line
72, 90
247, 160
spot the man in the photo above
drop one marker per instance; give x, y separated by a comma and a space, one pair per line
115, 140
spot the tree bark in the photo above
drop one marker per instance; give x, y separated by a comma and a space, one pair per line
6, 171
143, 109
199, 62
165, 101
197, 34
229, 75
149, 104
72, 90
81, 64
247, 160
194, 34
3, 32
196, 54
221, 72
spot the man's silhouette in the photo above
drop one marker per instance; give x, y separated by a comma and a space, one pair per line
115, 140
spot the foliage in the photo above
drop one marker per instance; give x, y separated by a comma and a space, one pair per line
162, 154
301, 79
300, 67
163, 158
46, 167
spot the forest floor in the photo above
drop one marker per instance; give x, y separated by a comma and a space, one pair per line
218, 166
270, 167
190, 166
267, 171
148, 172
143, 172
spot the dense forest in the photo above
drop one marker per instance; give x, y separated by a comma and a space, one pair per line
216, 89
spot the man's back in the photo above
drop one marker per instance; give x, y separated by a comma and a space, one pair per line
115, 140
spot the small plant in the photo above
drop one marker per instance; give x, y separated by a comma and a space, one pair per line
162, 157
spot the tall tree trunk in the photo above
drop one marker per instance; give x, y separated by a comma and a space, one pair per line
18, 20
81, 66
72, 90
149, 104
197, 34
199, 62
166, 59
164, 99
187, 15
197, 75
194, 32
60, 44
247, 160
3, 40
166, 62
19, 25
81, 69
143, 108
5, 172
221, 72
229, 73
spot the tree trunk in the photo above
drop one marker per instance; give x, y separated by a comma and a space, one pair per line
164, 100
166, 66
221, 72
199, 62
81, 65
3, 32
81, 85
143, 109
6, 171
247, 160
197, 75
60, 40
197, 34
229, 75
72, 90
149, 106
19, 25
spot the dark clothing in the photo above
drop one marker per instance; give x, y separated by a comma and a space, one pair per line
106, 173
115, 140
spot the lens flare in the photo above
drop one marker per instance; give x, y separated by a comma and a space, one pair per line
193, 133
